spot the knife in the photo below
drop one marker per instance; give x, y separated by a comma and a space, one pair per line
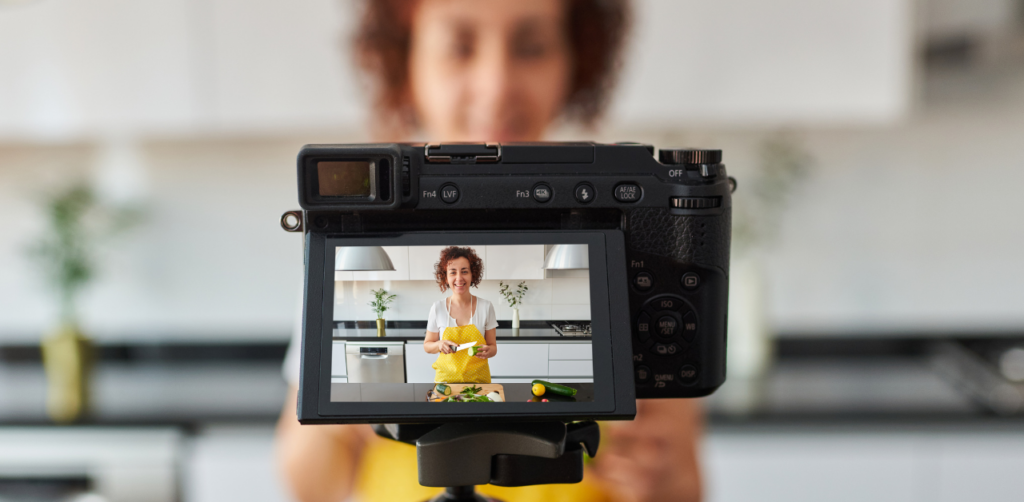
465, 346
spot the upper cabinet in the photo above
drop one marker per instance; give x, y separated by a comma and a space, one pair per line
422, 260
514, 262
696, 63
96, 67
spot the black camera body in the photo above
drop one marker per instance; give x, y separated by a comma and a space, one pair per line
673, 213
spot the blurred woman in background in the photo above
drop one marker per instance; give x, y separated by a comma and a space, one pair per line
500, 71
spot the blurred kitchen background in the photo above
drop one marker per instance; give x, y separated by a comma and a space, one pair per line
877, 331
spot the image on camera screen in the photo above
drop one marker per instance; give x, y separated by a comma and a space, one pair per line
467, 323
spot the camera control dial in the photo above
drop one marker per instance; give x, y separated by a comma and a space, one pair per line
669, 156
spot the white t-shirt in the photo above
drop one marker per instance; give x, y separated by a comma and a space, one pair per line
483, 316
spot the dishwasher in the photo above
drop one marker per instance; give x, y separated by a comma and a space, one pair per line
375, 362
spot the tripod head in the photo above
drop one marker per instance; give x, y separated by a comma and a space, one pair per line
459, 455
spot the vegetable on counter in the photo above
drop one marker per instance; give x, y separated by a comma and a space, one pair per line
443, 389
545, 387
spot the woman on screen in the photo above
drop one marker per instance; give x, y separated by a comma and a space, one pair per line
460, 320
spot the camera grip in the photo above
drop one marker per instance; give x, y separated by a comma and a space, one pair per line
700, 240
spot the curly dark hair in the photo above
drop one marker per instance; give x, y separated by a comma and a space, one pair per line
596, 30
476, 265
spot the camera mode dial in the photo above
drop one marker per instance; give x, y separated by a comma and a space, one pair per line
689, 156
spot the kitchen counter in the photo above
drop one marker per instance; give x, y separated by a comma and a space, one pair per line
417, 334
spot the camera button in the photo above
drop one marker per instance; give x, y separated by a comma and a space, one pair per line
667, 326
689, 326
643, 374
627, 192
643, 281
666, 349
542, 193
643, 326
449, 193
584, 193
688, 374
666, 303
690, 280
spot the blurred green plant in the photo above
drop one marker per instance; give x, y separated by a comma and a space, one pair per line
764, 191
77, 224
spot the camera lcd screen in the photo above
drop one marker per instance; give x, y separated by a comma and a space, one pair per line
344, 179
462, 323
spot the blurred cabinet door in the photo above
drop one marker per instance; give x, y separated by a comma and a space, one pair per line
514, 262
96, 68
278, 65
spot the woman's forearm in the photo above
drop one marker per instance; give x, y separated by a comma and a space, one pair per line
318, 462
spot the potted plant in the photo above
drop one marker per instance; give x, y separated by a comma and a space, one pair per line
514, 299
380, 303
76, 224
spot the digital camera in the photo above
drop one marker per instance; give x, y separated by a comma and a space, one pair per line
599, 275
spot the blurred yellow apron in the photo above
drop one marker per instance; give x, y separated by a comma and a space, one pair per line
388, 473
461, 367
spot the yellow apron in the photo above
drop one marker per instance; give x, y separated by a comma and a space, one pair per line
461, 367
388, 472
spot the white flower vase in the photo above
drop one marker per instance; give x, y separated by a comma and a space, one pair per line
515, 318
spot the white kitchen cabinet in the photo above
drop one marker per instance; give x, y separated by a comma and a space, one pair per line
571, 368
399, 258
338, 359
520, 360
571, 351
516, 362
514, 262
421, 262
418, 363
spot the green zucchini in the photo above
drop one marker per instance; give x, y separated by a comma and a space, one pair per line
555, 388
443, 389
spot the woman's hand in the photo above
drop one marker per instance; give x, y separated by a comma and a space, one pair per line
486, 351
447, 346
654, 457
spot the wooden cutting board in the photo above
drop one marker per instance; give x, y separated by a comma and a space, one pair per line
486, 388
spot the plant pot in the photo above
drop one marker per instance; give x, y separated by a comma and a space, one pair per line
67, 361
380, 327
515, 318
